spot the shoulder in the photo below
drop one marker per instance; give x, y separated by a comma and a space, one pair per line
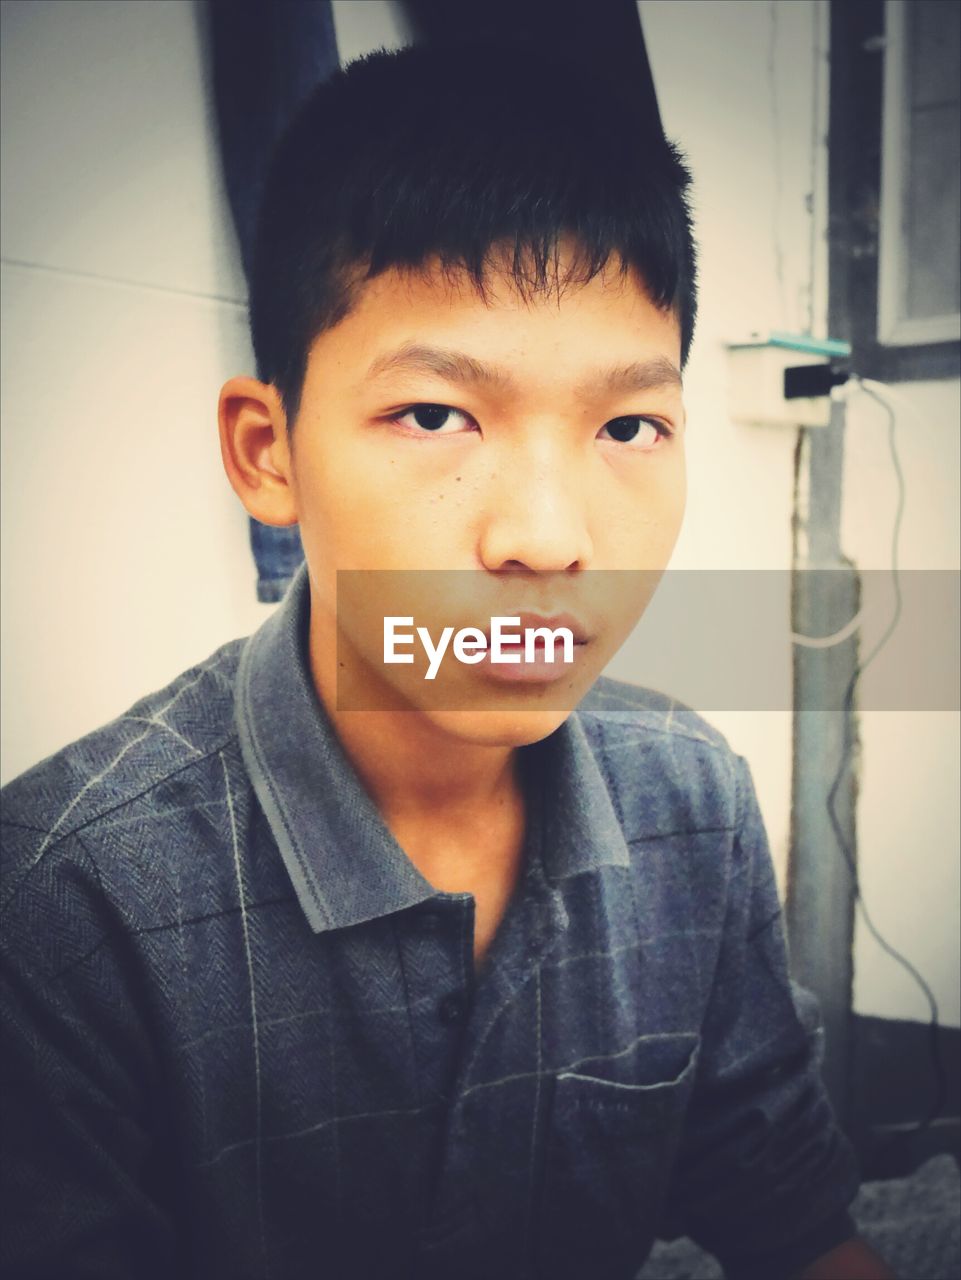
127, 796
667, 767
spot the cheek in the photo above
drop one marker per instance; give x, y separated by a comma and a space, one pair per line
641, 522
362, 513
678, 496
668, 495
335, 490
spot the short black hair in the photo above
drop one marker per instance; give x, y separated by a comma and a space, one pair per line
451, 153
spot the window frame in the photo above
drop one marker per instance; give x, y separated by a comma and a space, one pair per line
895, 328
858, 42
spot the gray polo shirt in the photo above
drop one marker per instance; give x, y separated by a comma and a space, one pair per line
244, 1037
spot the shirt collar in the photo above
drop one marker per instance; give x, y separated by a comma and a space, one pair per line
345, 865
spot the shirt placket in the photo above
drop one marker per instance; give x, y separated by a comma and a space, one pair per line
454, 1241
436, 942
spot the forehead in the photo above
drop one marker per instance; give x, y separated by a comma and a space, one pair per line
561, 329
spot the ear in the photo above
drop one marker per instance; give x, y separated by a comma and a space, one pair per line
255, 449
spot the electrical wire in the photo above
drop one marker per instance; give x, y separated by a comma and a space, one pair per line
836, 637
880, 394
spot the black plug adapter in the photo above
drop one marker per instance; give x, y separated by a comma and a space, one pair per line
810, 380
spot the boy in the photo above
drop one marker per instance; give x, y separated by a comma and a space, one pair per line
471, 985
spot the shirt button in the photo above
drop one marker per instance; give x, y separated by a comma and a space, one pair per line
451, 1008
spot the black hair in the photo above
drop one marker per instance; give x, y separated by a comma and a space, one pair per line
458, 154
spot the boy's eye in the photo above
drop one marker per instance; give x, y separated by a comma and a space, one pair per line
439, 419
642, 433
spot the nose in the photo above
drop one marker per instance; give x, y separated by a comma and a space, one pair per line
535, 516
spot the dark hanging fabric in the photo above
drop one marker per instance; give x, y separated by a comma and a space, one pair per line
607, 35
265, 59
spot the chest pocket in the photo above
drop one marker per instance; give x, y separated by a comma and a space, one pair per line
610, 1143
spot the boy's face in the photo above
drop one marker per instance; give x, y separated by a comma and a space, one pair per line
538, 456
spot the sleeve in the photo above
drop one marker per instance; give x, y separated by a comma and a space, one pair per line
78, 1160
764, 1176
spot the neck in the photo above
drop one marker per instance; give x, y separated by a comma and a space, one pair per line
433, 774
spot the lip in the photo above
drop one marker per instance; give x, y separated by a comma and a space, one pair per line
539, 670
552, 621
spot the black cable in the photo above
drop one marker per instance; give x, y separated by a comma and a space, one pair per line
860, 668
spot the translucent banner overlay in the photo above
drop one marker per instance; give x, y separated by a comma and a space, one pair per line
730, 640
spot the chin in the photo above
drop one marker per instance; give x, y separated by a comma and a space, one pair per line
501, 728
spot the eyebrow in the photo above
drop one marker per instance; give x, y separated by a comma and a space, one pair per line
654, 373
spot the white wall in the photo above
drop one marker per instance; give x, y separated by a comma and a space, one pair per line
124, 550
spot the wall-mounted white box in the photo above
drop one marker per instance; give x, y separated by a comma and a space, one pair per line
756, 379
